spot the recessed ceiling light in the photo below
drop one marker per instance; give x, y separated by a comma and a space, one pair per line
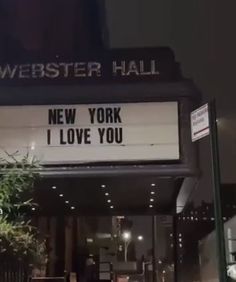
150, 206
103, 186
33, 209
61, 195
151, 200
67, 202
111, 207
54, 187
72, 208
106, 194
153, 184
109, 201
152, 193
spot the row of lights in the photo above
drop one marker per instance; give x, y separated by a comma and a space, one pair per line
103, 186
152, 194
61, 195
199, 218
151, 205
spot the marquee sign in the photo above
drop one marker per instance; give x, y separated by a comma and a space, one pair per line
78, 69
73, 134
122, 65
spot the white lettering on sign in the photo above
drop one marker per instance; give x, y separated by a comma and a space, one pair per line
136, 68
68, 134
53, 70
200, 123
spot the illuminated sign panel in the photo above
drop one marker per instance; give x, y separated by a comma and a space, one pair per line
73, 134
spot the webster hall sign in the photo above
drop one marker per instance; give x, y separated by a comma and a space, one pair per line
54, 70
156, 64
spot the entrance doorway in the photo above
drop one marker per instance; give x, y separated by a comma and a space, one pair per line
101, 228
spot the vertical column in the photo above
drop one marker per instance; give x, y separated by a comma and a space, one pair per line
60, 247
154, 248
68, 243
219, 223
52, 245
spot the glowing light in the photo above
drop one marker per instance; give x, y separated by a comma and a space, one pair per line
32, 147
140, 238
126, 235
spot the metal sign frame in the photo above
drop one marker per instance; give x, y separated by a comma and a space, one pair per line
184, 93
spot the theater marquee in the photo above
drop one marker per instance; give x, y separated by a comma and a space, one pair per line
78, 70
73, 134
150, 64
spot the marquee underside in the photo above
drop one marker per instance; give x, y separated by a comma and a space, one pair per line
106, 195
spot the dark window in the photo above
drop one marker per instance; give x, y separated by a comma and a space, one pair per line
46, 28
